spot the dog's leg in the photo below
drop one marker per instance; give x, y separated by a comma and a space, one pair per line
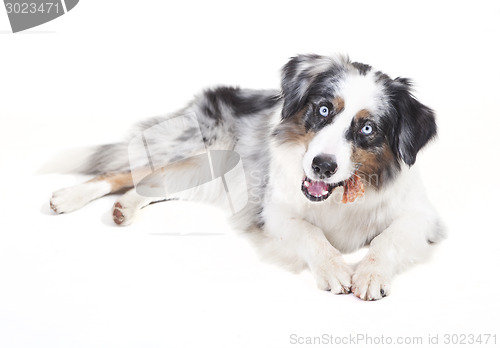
154, 187
403, 243
72, 198
127, 207
298, 238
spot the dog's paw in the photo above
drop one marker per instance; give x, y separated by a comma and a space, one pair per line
122, 214
371, 281
333, 275
72, 198
68, 199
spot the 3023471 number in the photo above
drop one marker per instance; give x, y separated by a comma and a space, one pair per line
470, 339
27, 7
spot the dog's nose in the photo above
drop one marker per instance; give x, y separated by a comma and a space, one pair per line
324, 166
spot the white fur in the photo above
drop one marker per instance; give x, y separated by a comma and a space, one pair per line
72, 198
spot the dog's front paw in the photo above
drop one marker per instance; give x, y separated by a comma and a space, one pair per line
371, 281
333, 274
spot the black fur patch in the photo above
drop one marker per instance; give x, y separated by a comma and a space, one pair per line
362, 68
301, 79
240, 102
313, 120
415, 123
378, 167
374, 140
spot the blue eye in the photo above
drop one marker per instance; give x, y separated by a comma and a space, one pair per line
367, 129
324, 111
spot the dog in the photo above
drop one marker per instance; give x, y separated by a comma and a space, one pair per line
328, 163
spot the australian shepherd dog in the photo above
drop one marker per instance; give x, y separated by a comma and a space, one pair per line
322, 167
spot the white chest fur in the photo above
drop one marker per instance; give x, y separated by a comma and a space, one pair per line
350, 226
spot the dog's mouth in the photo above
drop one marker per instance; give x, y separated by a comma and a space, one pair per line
317, 191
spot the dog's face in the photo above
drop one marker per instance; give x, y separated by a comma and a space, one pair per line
352, 121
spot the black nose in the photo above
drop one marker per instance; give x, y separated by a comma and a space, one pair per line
324, 166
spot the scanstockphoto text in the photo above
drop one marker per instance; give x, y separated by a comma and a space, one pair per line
255, 182
191, 163
260, 179
362, 339
181, 139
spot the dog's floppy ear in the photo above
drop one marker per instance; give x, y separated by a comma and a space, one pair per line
297, 77
416, 123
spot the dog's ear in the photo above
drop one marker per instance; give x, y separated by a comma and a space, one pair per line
416, 123
297, 78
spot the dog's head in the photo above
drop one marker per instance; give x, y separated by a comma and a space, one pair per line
352, 121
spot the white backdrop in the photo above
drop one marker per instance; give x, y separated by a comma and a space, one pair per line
77, 280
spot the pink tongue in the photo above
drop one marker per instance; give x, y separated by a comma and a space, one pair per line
316, 188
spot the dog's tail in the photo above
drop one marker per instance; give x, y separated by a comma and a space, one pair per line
106, 159
69, 161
